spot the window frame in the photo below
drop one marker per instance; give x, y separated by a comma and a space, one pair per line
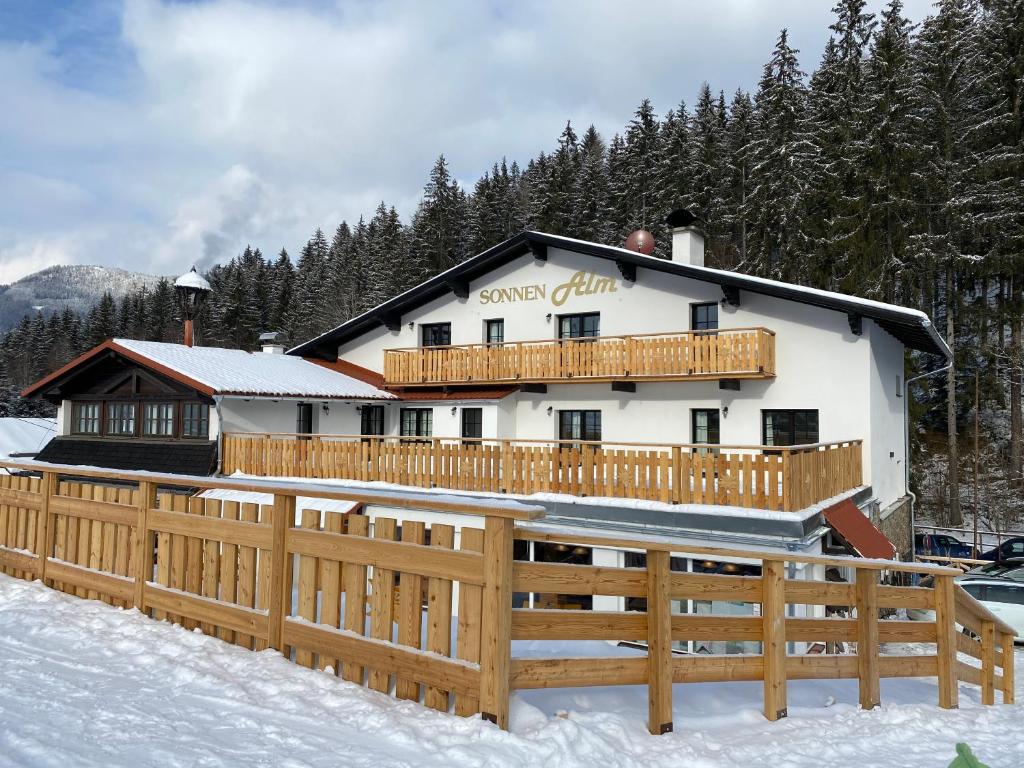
419, 416
426, 328
584, 429
495, 322
694, 323
76, 409
694, 412
116, 407
582, 317
792, 431
368, 416
203, 420
144, 422
478, 414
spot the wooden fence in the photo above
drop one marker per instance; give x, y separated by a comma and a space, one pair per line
738, 353
231, 570
755, 477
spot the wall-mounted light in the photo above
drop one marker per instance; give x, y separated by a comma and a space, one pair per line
327, 409
550, 409
454, 410
725, 411
548, 316
359, 409
411, 326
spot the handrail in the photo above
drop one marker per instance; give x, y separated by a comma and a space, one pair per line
496, 507
524, 440
580, 339
977, 609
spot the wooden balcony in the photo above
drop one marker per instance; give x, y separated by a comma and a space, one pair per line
753, 477
741, 353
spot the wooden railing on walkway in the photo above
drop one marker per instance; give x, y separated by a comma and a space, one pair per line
735, 353
230, 570
754, 477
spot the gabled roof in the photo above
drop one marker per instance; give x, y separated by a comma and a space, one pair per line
230, 372
910, 326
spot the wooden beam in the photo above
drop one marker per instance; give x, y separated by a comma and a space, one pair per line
945, 628
867, 639
282, 519
773, 617
1006, 661
856, 323
659, 643
535, 389
623, 386
143, 544
731, 293
627, 270
45, 523
392, 322
988, 662
460, 287
496, 633
539, 251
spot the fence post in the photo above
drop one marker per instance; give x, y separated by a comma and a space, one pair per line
44, 525
988, 662
280, 570
659, 643
945, 646
142, 544
496, 632
1006, 639
867, 637
773, 619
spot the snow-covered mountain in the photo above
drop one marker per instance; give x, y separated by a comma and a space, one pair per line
77, 286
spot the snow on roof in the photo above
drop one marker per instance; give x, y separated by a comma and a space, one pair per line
25, 435
192, 279
236, 372
266, 499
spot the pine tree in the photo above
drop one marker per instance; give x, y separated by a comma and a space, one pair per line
590, 193
708, 169
739, 137
310, 292
642, 155
438, 226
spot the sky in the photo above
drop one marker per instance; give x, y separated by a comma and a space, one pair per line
154, 135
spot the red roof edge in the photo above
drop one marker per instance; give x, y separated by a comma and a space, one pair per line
858, 531
364, 375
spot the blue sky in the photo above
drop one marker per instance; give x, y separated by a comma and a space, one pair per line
153, 135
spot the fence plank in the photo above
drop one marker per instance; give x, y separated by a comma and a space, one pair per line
354, 576
144, 544
228, 568
439, 614
280, 599
988, 662
867, 638
382, 603
410, 610
330, 588
945, 626
306, 609
467, 645
496, 632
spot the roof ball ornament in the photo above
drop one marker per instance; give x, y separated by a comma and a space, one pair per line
641, 241
192, 289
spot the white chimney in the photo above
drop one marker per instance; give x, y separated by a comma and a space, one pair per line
687, 238
270, 343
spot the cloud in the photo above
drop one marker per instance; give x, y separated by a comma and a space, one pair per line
213, 124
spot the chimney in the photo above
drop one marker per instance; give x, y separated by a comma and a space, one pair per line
271, 344
687, 238
192, 290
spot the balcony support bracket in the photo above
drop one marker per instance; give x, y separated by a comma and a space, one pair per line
731, 294
392, 322
856, 323
627, 270
540, 251
732, 385
535, 389
623, 386
459, 287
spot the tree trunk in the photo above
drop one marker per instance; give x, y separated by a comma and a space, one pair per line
955, 515
1016, 374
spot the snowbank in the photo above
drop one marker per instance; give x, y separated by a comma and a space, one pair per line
85, 684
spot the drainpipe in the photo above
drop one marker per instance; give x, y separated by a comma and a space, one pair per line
220, 432
906, 443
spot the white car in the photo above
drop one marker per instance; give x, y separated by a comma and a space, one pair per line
998, 586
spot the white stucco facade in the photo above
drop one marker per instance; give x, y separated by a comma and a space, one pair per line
854, 382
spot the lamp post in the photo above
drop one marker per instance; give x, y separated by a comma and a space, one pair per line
192, 290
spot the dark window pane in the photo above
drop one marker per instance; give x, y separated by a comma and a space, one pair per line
416, 422
473, 422
579, 425
85, 418
579, 326
436, 334
495, 331
706, 426
158, 419
704, 317
304, 418
790, 427
372, 420
195, 420
121, 419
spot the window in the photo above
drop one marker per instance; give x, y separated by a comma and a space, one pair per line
85, 418
120, 418
579, 425
494, 331
473, 424
304, 419
789, 427
417, 422
158, 419
704, 317
436, 334
705, 426
579, 326
371, 420
1004, 593
195, 420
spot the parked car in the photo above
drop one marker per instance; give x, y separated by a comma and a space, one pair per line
998, 586
1010, 548
941, 545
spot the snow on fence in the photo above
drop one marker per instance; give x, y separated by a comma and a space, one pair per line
375, 605
754, 477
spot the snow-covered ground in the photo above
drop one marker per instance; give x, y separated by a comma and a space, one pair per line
82, 683
23, 434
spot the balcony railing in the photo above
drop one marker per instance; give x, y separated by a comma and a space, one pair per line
753, 477
742, 353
